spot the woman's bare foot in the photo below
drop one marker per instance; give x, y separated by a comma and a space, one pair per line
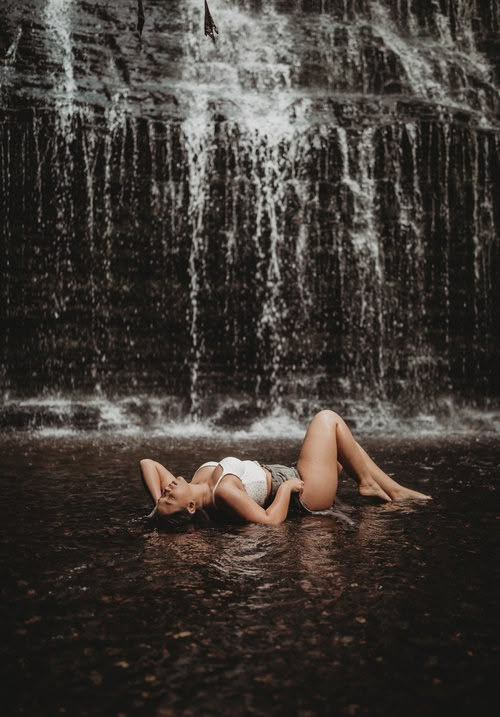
371, 489
402, 493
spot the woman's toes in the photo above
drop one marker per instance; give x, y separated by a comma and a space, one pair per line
407, 494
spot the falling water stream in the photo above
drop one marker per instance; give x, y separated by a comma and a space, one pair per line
304, 212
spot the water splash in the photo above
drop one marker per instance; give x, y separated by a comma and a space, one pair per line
58, 15
149, 416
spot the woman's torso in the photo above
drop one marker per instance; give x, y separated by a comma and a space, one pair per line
253, 478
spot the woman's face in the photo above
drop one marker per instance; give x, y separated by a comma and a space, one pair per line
176, 496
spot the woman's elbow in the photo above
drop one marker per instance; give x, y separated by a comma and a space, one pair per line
273, 520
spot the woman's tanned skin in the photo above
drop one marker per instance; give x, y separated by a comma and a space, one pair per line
328, 447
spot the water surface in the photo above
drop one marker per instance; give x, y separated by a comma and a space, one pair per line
105, 615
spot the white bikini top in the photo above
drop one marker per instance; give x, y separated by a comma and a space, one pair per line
250, 473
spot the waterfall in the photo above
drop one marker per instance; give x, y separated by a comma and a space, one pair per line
304, 213
58, 21
9, 61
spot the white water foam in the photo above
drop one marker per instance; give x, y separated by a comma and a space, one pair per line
244, 70
142, 416
58, 19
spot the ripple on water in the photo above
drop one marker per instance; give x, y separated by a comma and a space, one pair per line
246, 609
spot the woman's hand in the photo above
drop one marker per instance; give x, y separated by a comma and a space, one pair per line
296, 485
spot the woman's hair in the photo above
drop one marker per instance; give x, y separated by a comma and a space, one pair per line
175, 521
180, 520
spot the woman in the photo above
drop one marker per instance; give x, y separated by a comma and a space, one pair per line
259, 493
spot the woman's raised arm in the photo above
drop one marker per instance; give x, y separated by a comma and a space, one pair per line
156, 477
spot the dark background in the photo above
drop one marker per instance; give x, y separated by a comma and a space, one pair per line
305, 211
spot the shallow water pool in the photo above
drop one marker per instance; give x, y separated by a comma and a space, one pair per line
104, 615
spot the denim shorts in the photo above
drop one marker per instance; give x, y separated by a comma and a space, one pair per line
280, 474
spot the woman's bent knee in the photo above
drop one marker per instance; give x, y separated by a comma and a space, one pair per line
329, 417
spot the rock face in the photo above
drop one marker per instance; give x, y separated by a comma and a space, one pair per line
305, 211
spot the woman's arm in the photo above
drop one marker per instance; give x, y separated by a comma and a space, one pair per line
156, 477
240, 503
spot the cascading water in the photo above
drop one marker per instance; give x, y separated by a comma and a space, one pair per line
305, 213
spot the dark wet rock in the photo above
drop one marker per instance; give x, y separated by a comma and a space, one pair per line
210, 26
140, 17
309, 216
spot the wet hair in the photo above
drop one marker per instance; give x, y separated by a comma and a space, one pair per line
180, 520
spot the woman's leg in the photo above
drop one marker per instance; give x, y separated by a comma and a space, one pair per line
328, 441
328, 438
388, 484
